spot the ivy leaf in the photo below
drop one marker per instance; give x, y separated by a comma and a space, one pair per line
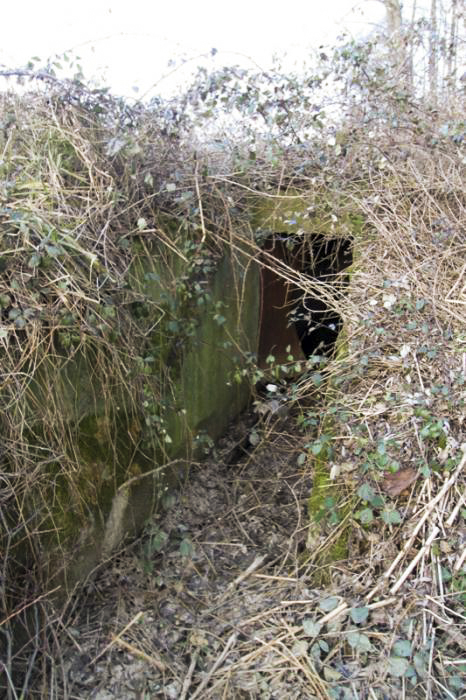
359, 615
254, 438
366, 516
421, 662
391, 517
328, 604
299, 648
311, 628
53, 250
402, 648
359, 641
397, 666
366, 492
34, 260
157, 542
186, 548
377, 501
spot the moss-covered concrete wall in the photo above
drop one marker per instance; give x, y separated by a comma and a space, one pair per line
131, 437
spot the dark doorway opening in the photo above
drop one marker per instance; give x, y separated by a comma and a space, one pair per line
295, 321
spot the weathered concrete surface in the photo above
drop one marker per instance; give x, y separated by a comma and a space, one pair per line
187, 397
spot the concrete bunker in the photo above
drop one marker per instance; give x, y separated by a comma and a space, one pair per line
295, 320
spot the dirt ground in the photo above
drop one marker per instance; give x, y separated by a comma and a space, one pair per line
188, 610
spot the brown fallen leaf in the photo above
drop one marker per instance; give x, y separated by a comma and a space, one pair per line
395, 483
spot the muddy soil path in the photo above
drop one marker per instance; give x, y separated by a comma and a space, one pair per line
188, 611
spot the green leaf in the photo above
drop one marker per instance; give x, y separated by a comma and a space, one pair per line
366, 492
109, 311
34, 260
359, 641
397, 666
186, 547
299, 648
3, 333
157, 541
311, 628
377, 501
301, 459
20, 322
421, 663
456, 682
391, 517
402, 648
445, 573
381, 447
254, 438
53, 250
366, 516
328, 604
359, 615
142, 224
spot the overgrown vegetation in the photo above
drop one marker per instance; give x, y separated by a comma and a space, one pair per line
88, 184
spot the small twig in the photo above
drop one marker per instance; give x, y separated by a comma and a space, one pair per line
343, 607
276, 578
258, 561
459, 562
189, 675
431, 659
28, 605
199, 201
424, 549
231, 641
132, 622
455, 511
159, 665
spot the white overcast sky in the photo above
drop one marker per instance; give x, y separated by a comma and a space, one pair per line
132, 41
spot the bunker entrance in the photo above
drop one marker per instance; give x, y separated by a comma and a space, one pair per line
299, 314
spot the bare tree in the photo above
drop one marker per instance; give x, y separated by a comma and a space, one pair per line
433, 52
400, 58
452, 49
394, 16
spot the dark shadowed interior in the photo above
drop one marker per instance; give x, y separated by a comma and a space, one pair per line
290, 318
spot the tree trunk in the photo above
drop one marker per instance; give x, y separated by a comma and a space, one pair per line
394, 18
452, 48
433, 49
